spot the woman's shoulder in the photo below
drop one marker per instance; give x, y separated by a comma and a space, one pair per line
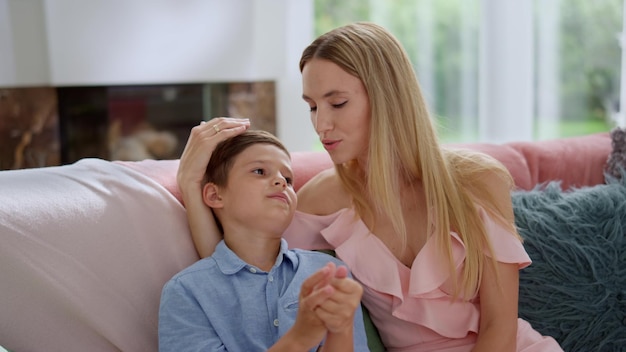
323, 194
485, 178
474, 167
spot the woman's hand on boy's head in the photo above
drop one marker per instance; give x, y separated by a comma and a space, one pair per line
202, 140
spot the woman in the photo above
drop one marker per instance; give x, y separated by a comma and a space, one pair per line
429, 232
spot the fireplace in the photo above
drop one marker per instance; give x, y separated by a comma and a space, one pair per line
47, 126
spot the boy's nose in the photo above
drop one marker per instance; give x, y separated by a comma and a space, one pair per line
280, 181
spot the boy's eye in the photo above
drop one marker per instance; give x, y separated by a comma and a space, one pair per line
289, 180
259, 171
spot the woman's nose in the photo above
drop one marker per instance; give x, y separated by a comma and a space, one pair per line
321, 122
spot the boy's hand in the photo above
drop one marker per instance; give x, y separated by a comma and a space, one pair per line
337, 312
309, 329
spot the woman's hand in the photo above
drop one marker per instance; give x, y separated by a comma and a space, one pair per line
202, 141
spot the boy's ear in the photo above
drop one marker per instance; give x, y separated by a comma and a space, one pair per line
211, 196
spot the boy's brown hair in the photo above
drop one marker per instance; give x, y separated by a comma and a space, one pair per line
225, 152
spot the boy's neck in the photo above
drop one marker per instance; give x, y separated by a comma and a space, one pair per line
259, 252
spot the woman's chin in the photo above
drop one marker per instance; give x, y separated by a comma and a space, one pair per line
337, 157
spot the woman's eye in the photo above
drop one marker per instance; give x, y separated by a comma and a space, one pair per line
313, 108
337, 106
259, 171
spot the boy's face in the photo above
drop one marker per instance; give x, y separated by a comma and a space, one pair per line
259, 195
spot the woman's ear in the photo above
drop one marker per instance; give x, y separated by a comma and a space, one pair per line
211, 196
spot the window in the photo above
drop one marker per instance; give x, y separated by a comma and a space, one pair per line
499, 70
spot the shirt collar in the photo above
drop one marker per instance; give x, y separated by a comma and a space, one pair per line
229, 263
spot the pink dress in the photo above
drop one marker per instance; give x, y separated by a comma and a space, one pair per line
412, 307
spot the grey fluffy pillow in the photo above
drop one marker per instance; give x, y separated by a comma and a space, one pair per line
575, 289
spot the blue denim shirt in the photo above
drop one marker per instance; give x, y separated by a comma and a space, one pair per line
221, 303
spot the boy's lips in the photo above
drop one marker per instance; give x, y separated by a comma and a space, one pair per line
280, 196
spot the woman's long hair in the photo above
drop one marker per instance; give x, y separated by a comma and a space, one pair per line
404, 149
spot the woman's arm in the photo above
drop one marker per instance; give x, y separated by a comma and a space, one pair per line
193, 162
498, 308
499, 286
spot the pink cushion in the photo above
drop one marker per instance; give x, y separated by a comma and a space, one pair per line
86, 249
308, 164
575, 161
161, 171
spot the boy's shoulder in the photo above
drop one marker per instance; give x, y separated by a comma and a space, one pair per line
203, 266
324, 257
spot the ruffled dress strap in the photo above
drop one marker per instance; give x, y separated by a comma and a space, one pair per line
507, 247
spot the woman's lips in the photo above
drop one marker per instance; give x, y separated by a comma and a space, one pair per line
330, 144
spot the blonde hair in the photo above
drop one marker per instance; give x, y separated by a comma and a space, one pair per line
404, 148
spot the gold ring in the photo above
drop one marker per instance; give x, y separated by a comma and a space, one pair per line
216, 128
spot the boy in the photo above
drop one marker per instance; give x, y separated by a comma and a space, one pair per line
253, 294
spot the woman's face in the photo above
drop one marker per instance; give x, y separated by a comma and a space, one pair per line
340, 109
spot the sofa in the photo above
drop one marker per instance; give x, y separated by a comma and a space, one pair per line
86, 247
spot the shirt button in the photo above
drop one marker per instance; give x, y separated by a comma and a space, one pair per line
271, 278
252, 270
275, 322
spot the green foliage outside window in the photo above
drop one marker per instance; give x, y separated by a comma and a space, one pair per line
589, 56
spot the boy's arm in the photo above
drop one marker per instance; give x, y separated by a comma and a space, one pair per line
294, 341
353, 338
359, 333
342, 341
183, 326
